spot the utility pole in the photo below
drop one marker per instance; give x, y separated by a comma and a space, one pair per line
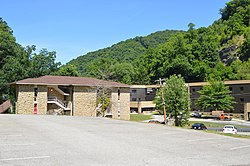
163, 100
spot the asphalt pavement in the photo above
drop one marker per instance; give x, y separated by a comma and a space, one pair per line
35, 140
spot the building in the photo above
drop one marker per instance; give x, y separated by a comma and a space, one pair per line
76, 96
240, 91
141, 98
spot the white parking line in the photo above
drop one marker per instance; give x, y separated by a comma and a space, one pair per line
240, 147
6, 135
25, 158
204, 139
27, 144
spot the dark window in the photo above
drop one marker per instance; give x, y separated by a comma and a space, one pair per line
242, 100
133, 99
133, 91
119, 93
193, 90
241, 88
230, 88
35, 92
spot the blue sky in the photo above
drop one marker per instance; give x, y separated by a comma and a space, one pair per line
75, 27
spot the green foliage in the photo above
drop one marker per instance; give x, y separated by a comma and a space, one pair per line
104, 63
233, 7
43, 63
177, 100
220, 51
67, 70
17, 62
197, 54
215, 96
103, 101
8, 45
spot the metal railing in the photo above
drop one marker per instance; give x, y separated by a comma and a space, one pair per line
55, 99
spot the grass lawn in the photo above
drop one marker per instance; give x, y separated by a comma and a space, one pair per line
230, 135
139, 117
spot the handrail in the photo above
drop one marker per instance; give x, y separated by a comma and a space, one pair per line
5, 105
53, 98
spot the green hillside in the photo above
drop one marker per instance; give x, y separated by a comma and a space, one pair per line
125, 51
220, 51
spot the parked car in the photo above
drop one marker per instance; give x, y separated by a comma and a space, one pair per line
195, 114
199, 126
230, 129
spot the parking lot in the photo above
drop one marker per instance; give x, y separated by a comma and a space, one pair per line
64, 140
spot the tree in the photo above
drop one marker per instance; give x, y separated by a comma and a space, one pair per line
122, 72
215, 96
103, 101
43, 63
100, 68
177, 99
67, 70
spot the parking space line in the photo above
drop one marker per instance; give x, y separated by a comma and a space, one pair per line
204, 139
240, 147
6, 135
27, 144
24, 158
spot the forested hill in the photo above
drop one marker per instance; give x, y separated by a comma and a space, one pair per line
220, 51
124, 51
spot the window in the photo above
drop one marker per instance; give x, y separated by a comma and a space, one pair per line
193, 89
241, 88
133, 91
230, 88
242, 100
35, 91
133, 99
119, 94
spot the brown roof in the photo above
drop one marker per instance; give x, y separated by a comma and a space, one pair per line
232, 82
66, 80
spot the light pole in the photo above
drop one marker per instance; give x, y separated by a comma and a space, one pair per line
163, 100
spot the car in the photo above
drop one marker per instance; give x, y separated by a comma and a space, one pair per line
199, 126
195, 114
231, 129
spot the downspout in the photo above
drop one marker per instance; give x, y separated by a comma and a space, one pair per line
72, 100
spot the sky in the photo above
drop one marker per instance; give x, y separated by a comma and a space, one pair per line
75, 27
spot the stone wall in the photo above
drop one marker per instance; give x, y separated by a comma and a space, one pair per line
25, 99
121, 106
114, 103
42, 100
247, 111
125, 103
84, 101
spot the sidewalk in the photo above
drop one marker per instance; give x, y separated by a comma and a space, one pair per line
241, 121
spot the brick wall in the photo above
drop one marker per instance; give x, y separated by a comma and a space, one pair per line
84, 101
